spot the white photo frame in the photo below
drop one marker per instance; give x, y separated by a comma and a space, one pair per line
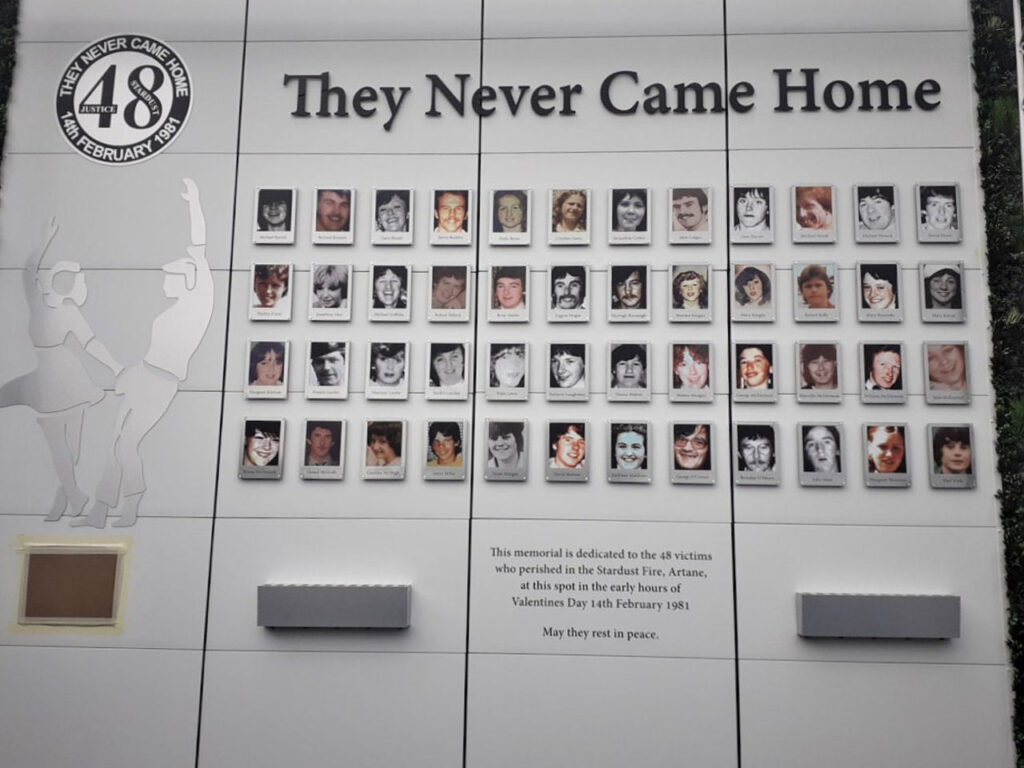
753, 292
507, 367
951, 462
449, 368
756, 455
821, 446
271, 291
273, 218
392, 216
943, 298
629, 293
569, 218
629, 372
880, 296
568, 364
451, 216
882, 372
939, 212
752, 214
630, 214
567, 460
330, 292
816, 292
876, 213
814, 213
323, 450
385, 450
755, 376
506, 450
568, 286
327, 370
334, 216
509, 300
689, 215
690, 372
262, 449
819, 373
947, 373
510, 211
690, 294
447, 449
886, 455
387, 370
630, 455
390, 293
267, 369
450, 293
691, 454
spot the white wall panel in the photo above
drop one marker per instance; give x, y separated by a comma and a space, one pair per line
535, 18
364, 710
553, 711
50, 20
850, 715
117, 708
808, 16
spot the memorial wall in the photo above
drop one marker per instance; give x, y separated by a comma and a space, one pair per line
497, 384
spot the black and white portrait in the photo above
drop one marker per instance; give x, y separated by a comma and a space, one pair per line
392, 217
629, 294
510, 217
629, 216
938, 213
752, 296
689, 215
628, 372
509, 299
756, 459
752, 215
271, 292
506, 450
567, 378
274, 216
567, 301
821, 451
324, 450
329, 292
387, 374
507, 372
262, 449
876, 211
390, 292
327, 370
447, 366
881, 289
942, 292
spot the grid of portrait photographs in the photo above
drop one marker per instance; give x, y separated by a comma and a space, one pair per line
813, 212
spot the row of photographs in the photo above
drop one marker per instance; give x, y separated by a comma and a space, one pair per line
822, 447
816, 296
572, 371
567, 218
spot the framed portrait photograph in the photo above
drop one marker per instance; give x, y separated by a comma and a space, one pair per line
754, 371
323, 453
567, 379
689, 215
384, 458
814, 219
946, 381
510, 217
690, 373
567, 452
390, 293
756, 460
885, 456
334, 216
391, 217
818, 377
507, 455
821, 447
816, 292
629, 216
628, 371
882, 372
387, 370
274, 216
629, 452
570, 217
881, 291
448, 373
509, 302
689, 293
942, 292
508, 371
447, 450
328, 292
567, 290
952, 464
271, 297
876, 213
691, 459
629, 293
938, 213
267, 372
449, 293
753, 213
450, 223
752, 299
262, 449
327, 366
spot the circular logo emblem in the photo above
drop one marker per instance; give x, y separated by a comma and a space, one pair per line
123, 99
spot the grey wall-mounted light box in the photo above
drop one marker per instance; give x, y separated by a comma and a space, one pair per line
334, 606
907, 617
